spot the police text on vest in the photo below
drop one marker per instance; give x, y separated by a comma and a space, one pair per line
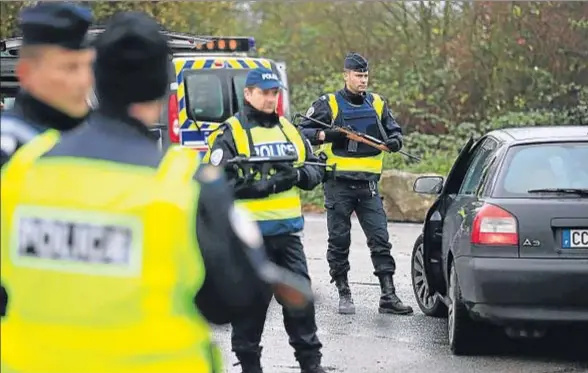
275, 149
61, 240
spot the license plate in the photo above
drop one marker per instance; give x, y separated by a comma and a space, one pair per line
574, 239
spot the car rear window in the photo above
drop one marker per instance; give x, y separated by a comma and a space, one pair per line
539, 166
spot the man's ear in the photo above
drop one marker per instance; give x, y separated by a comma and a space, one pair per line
23, 70
345, 76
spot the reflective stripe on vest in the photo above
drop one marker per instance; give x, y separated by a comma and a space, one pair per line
372, 164
282, 212
102, 265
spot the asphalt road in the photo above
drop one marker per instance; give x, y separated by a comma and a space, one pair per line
370, 342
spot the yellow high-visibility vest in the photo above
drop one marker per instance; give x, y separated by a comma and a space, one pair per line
101, 263
279, 213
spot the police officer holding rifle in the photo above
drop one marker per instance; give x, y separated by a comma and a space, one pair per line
264, 156
363, 127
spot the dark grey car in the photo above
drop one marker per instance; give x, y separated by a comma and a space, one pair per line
506, 241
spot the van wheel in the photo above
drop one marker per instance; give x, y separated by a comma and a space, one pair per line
461, 329
429, 304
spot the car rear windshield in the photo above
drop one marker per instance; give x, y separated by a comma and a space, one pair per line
541, 166
214, 95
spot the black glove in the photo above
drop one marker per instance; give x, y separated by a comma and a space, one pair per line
254, 190
286, 177
334, 135
231, 169
394, 144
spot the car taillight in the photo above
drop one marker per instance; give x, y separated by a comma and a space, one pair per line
494, 226
173, 121
280, 106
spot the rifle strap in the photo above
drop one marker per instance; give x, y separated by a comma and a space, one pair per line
378, 121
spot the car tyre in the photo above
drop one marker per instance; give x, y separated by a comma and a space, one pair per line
429, 304
464, 333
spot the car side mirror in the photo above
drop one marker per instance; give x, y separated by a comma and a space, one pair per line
428, 184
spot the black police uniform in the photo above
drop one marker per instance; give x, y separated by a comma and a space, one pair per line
284, 249
357, 191
48, 23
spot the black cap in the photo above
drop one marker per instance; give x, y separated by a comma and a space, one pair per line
55, 23
356, 62
131, 60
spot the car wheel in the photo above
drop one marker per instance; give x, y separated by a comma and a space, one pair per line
429, 304
461, 329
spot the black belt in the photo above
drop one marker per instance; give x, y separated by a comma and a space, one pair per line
358, 184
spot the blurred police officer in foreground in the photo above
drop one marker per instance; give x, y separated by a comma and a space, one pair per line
355, 185
276, 206
55, 74
103, 261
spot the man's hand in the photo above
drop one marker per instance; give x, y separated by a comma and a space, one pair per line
331, 135
394, 144
286, 177
254, 190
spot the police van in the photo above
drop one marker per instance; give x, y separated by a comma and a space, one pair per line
209, 82
207, 78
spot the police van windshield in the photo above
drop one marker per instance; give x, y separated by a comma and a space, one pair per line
214, 95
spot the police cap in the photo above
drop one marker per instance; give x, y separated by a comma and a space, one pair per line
131, 60
356, 62
263, 78
55, 23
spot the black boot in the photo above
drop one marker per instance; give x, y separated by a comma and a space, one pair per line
312, 366
250, 362
346, 306
389, 301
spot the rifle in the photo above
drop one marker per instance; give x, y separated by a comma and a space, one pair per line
251, 166
358, 137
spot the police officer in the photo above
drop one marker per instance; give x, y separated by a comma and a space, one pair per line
276, 205
106, 242
355, 187
55, 73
